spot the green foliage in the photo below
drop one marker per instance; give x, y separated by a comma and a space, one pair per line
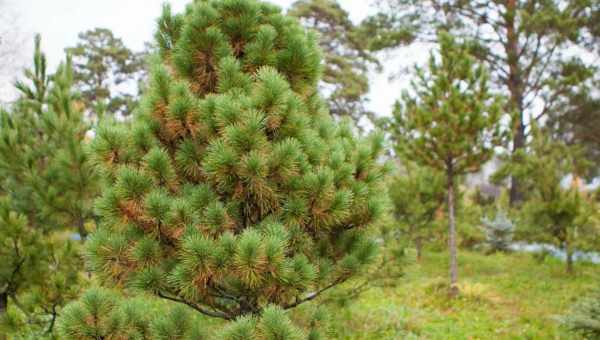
233, 191
498, 232
526, 47
452, 120
469, 232
417, 196
346, 56
577, 120
101, 313
47, 185
563, 216
584, 317
502, 297
44, 164
102, 62
386, 30
449, 123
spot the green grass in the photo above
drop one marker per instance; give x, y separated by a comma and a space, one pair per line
504, 296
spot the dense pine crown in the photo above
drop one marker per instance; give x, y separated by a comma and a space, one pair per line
233, 189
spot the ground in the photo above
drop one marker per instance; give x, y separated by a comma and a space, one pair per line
504, 296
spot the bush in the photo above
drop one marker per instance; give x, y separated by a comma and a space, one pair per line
498, 232
584, 317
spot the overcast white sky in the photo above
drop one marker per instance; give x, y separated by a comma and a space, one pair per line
59, 22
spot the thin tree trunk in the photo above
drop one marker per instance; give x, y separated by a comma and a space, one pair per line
3, 307
452, 233
569, 253
81, 228
516, 196
419, 248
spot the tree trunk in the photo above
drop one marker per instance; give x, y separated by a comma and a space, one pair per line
419, 248
516, 196
515, 86
569, 253
452, 233
3, 307
81, 228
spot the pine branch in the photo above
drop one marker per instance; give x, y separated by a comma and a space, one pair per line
213, 314
316, 294
239, 300
53, 320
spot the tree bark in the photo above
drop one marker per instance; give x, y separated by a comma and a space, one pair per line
569, 254
452, 232
516, 195
419, 248
3, 308
515, 86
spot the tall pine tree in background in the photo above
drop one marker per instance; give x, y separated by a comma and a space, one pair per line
233, 192
104, 68
47, 186
450, 122
346, 59
527, 46
577, 122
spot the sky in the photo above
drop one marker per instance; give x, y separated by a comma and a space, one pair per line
59, 22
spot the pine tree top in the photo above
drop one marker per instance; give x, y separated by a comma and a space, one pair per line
451, 119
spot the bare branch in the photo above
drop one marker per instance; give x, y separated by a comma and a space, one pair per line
316, 294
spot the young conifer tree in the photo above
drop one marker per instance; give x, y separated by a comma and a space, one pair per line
233, 191
46, 185
498, 232
449, 123
562, 215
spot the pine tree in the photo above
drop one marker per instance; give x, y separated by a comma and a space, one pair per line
450, 124
103, 63
562, 216
47, 185
498, 232
233, 192
416, 197
346, 56
577, 121
526, 46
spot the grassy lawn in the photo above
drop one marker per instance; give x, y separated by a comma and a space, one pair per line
504, 296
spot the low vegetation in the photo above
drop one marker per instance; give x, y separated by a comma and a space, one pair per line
503, 296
